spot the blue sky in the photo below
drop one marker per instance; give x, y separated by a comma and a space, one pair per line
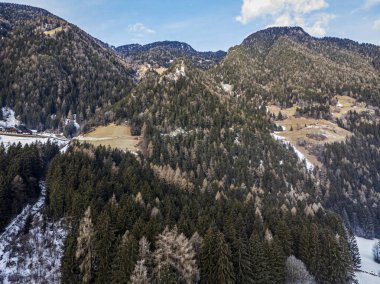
214, 24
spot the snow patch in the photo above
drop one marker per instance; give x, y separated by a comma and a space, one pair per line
9, 118
178, 73
227, 88
175, 133
301, 156
8, 140
369, 268
72, 121
34, 257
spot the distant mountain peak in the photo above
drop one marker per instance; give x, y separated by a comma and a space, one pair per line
164, 53
274, 33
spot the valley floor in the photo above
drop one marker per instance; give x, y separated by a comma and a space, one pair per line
32, 256
369, 268
8, 139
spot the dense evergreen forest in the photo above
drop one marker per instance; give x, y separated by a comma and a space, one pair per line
51, 70
129, 226
21, 170
211, 197
164, 52
353, 177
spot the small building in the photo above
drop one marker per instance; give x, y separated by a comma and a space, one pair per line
11, 130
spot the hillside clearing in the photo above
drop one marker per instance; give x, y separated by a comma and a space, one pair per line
346, 104
369, 268
115, 136
308, 135
55, 31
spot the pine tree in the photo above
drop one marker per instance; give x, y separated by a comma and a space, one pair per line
356, 259
104, 243
259, 265
333, 265
216, 265
242, 260
376, 252
284, 236
304, 246
276, 261
84, 252
314, 250
125, 259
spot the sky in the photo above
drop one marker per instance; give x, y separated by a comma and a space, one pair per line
214, 24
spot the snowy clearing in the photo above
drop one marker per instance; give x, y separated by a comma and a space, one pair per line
35, 256
9, 118
175, 133
301, 156
369, 266
8, 140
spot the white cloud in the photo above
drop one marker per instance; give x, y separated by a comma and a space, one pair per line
320, 25
252, 9
283, 20
376, 24
371, 3
139, 28
289, 13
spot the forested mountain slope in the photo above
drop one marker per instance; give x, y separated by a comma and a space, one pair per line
212, 196
129, 224
51, 70
289, 68
290, 65
165, 52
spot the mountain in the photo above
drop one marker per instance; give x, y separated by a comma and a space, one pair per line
288, 63
212, 195
165, 52
52, 71
321, 88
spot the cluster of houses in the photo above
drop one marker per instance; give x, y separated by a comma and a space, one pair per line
16, 130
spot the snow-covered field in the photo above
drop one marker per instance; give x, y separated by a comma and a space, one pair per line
32, 257
369, 267
301, 156
9, 118
8, 140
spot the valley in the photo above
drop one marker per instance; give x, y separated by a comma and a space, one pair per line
255, 165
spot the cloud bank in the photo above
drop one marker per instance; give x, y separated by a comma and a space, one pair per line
304, 13
140, 28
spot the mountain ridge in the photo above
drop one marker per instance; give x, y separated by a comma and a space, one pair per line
164, 53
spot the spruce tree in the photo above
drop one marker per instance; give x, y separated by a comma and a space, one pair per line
304, 246
104, 253
276, 261
314, 250
242, 260
356, 259
125, 259
284, 236
259, 264
216, 265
